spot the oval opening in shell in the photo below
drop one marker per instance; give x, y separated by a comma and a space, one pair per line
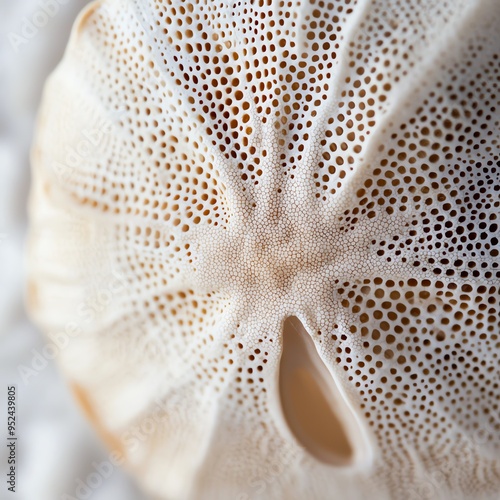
316, 411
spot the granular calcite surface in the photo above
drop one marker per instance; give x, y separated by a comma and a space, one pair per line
269, 230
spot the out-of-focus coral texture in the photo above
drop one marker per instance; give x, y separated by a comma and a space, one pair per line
56, 449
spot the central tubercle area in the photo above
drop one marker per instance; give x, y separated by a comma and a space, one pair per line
270, 257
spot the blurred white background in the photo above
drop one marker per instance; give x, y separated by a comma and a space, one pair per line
56, 447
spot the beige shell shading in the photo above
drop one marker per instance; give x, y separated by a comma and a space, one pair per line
269, 230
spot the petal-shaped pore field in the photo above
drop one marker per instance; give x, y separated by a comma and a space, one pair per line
269, 232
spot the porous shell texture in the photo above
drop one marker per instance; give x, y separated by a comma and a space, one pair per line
204, 170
